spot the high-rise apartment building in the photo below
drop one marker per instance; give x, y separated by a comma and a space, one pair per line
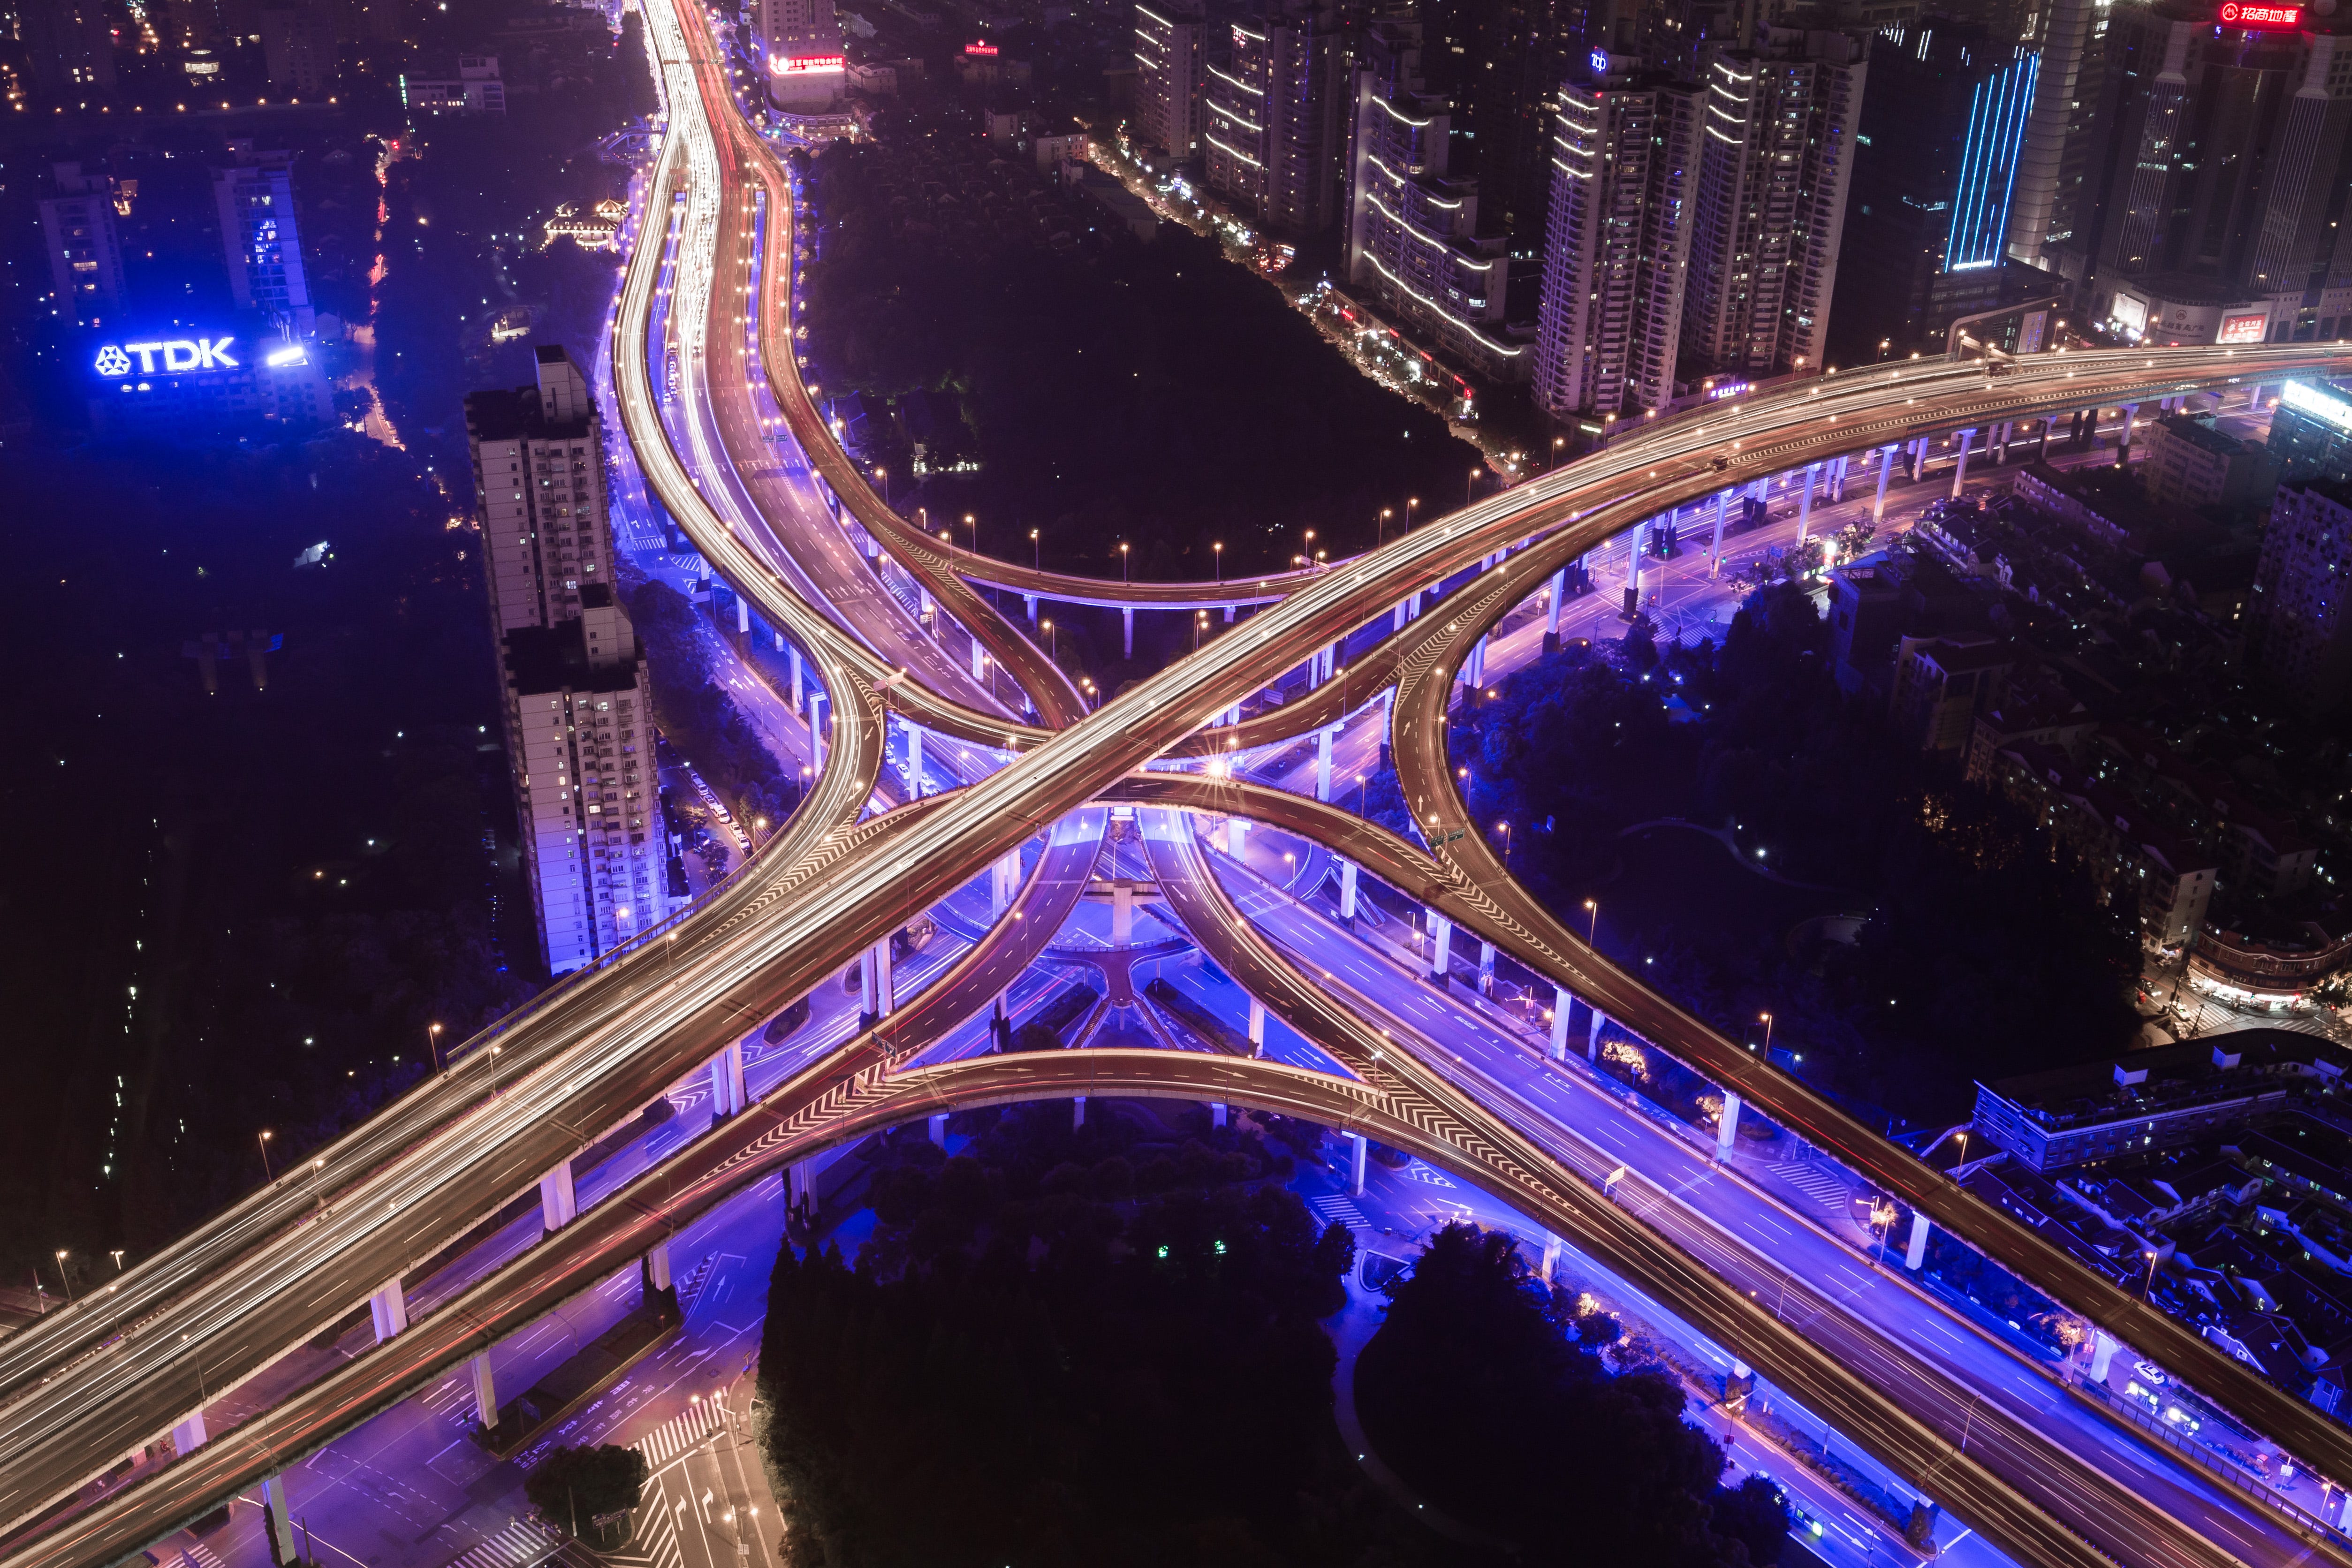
85, 247
579, 725
1777, 159
1410, 230
1626, 165
1272, 117
2218, 162
259, 239
539, 488
1172, 68
2302, 605
67, 51
298, 48
801, 42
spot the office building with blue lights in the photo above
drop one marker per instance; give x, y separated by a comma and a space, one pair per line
1935, 172
241, 375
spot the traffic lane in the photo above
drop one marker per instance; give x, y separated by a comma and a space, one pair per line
2083, 1498
754, 1143
1776, 1238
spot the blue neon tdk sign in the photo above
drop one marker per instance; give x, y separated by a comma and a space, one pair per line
167, 356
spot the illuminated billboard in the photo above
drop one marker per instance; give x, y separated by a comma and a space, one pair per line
804, 64
2318, 404
2262, 17
167, 356
2129, 313
2250, 328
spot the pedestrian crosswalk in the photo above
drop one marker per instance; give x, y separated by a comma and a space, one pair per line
523, 1545
1338, 1210
197, 1554
654, 1545
676, 1436
1816, 1183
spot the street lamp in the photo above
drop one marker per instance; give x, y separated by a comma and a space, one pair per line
2147, 1286
433, 1044
1386, 513
1506, 829
1410, 502
1217, 554
1467, 485
1037, 552
264, 1141
883, 474
1053, 644
64, 1278
1124, 575
973, 524
1593, 927
1767, 1036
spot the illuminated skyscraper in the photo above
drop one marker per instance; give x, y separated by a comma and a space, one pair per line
1170, 69
1626, 164
1272, 130
1411, 231
1776, 161
801, 42
259, 239
579, 723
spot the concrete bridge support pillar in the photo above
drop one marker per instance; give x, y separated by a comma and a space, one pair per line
743, 616
1126, 628
817, 731
276, 1524
1550, 1257
1122, 914
2042, 454
979, 662
886, 990
1441, 944
189, 1435
1004, 883
1359, 1147
1348, 890
1960, 471
1078, 1112
2104, 1346
1236, 835
1557, 594
1229, 614
1474, 668
1805, 504
1726, 1126
1216, 1114
1486, 969
657, 1267
1917, 1254
557, 1205
727, 1091
800, 1183
486, 1390
914, 774
1885, 470
2122, 446
388, 1310
1722, 515
938, 1122
1323, 762
866, 1011
1560, 1001
1257, 1026
798, 704
1593, 1035
1029, 608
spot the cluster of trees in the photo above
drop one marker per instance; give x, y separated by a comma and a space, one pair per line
585, 1492
241, 912
1491, 1395
1071, 1347
1984, 953
1155, 394
693, 710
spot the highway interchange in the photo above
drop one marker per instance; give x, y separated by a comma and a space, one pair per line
224, 1303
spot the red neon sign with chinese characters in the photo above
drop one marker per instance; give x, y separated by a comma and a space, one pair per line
797, 64
980, 49
2246, 14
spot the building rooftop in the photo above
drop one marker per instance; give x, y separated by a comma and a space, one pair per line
2170, 1078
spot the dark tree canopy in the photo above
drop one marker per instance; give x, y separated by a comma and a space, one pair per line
1482, 1392
572, 1488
